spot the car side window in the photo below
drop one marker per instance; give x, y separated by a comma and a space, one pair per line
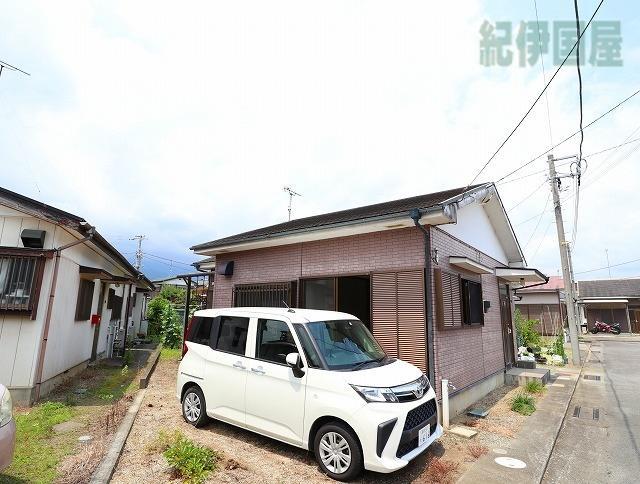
274, 341
201, 331
232, 335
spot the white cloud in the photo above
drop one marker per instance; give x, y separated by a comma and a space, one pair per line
184, 121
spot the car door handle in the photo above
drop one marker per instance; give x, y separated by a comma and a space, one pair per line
258, 370
239, 365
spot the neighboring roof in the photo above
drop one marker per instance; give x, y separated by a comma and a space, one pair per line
174, 280
400, 206
57, 216
609, 288
555, 283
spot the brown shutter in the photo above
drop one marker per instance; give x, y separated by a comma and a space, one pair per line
384, 309
448, 300
411, 318
398, 311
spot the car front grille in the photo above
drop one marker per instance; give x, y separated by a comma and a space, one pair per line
420, 415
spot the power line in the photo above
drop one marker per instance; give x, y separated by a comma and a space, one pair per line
527, 197
539, 220
534, 173
570, 136
544, 74
167, 259
612, 265
544, 235
612, 147
536, 100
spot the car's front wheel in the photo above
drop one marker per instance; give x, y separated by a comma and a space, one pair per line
337, 452
194, 408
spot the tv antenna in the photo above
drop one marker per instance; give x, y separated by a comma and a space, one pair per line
5, 65
291, 193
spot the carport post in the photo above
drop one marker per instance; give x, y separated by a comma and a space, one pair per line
187, 303
626, 312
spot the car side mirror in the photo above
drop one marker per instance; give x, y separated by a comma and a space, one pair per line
295, 362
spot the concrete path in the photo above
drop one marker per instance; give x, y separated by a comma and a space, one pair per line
605, 448
534, 442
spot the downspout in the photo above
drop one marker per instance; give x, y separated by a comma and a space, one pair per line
428, 300
47, 319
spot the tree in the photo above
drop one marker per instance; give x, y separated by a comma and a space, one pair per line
526, 335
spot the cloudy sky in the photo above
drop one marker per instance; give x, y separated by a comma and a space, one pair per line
184, 120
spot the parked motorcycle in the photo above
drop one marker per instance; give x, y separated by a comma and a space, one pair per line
601, 327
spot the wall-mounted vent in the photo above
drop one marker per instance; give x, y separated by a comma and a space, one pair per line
34, 239
225, 268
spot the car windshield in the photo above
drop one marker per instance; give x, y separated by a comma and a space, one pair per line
345, 343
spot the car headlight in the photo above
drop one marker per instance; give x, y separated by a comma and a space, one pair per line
6, 408
375, 394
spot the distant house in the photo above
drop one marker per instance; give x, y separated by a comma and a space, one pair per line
67, 296
611, 301
430, 275
544, 303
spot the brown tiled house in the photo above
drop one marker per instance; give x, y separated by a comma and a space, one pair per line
430, 275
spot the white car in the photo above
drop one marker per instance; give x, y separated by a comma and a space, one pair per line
314, 379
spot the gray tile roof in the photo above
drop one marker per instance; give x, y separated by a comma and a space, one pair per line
342, 216
609, 288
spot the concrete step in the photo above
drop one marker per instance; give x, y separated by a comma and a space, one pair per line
520, 376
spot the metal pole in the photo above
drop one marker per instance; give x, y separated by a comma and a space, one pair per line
608, 264
564, 258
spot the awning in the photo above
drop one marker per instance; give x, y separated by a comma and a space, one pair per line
603, 301
521, 275
470, 265
98, 273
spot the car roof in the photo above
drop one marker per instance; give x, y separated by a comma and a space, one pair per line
295, 315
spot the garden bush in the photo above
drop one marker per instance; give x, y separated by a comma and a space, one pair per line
526, 335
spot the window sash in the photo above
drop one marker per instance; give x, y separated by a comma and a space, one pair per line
19, 282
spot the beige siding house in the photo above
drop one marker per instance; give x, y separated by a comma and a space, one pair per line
66, 295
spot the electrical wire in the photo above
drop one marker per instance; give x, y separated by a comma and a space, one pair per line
611, 148
535, 101
535, 173
527, 197
607, 267
570, 136
166, 259
544, 210
544, 74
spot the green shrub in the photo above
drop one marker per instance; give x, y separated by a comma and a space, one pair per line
156, 313
190, 461
164, 322
175, 295
526, 335
534, 386
163, 441
558, 344
172, 330
523, 404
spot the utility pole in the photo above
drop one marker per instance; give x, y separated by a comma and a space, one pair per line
139, 238
567, 273
291, 193
608, 264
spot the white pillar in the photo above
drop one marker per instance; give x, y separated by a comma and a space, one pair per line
445, 403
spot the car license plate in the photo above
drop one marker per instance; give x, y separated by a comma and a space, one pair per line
423, 435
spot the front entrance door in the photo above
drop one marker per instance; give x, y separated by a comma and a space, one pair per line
507, 325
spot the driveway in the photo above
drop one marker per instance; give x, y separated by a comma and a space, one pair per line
600, 438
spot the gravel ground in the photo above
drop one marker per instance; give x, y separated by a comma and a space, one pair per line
250, 458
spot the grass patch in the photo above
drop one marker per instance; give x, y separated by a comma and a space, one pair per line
170, 354
118, 382
163, 441
523, 404
534, 386
36, 457
190, 461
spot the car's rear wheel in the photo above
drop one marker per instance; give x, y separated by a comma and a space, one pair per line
194, 408
338, 452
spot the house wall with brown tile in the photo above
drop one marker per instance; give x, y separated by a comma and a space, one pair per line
358, 254
468, 354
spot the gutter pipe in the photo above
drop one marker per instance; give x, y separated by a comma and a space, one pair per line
416, 215
52, 294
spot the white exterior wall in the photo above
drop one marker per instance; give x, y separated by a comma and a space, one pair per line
475, 228
538, 298
69, 342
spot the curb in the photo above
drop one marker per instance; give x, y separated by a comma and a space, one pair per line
564, 417
103, 473
150, 367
